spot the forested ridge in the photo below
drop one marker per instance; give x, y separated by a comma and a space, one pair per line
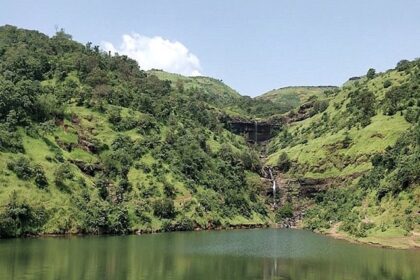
360, 156
90, 143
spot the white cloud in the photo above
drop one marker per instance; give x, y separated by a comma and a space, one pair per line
157, 52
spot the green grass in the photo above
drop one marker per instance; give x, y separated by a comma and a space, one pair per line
295, 95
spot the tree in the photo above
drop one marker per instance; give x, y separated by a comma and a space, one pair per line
164, 208
371, 73
284, 163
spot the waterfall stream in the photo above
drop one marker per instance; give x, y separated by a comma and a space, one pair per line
274, 186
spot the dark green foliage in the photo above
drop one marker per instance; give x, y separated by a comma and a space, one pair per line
182, 224
10, 141
61, 174
400, 164
40, 178
387, 83
20, 218
118, 220
347, 141
25, 170
353, 224
333, 206
403, 65
284, 163
22, 168
164, 208
169, 190
371, 73
283, 212
361, 106
320, 106
102, 183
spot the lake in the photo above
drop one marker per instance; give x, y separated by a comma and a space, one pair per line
234, 254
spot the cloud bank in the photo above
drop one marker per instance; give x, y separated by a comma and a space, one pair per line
157, 52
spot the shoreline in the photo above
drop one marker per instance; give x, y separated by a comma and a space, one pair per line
411, 242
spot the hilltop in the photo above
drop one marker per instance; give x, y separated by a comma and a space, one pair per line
293, 96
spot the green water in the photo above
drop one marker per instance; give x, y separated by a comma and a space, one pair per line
236, 254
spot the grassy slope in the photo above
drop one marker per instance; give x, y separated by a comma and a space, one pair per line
295, 95
96, 125
211, 86
319, 153
322, 156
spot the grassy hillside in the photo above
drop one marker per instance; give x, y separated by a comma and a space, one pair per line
295, 96
91, 144
224, 98
364, 145
210, 87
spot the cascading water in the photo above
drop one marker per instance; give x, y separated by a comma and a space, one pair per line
274, 186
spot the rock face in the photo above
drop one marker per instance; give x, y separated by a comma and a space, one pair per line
254, 131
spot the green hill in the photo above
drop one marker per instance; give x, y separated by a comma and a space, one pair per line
222, 97
91, 144
363, 151
296, 95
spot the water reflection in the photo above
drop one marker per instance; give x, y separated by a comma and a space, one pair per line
244, 254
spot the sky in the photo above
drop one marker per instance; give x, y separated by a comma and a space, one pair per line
253, 46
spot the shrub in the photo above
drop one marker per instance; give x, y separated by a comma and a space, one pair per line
62, 173
164, 208
285, 211
387, 83
403, 65
119, 221
20, 218
40, 178
371, 73
283, 162
347, 141
22, 168
10, 141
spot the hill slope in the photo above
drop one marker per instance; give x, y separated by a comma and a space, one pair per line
296, 95
91, 144
222, 97
362, 151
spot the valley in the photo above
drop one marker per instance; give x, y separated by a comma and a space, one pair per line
92, 144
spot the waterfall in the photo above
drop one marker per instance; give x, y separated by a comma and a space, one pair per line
274, 186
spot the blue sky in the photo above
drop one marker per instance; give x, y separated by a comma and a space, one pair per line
253, 46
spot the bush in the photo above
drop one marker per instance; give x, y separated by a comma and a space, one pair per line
20, 218
387, 83
10, 141
169, 190
119, 221
403, 65
285, 211
164, 208
371, 73
320, 106
22, 168
62, 173
284, 163
40, 178
347, 141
